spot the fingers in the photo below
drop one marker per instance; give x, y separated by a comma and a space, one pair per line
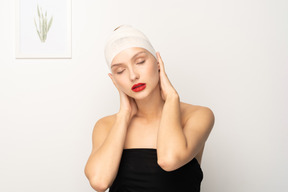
160, 61
121, 93
111, 77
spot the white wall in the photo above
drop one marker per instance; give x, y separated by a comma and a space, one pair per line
228, 55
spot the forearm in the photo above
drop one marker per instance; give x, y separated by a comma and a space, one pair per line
103, 164
171, 139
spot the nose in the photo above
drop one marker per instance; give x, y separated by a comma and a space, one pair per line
133, 74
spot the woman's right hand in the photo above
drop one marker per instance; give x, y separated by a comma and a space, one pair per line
127, 104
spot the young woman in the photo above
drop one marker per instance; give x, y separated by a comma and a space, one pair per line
155, 142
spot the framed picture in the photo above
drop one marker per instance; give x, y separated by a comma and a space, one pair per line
43, 29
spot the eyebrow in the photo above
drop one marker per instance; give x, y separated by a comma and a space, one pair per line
114, 65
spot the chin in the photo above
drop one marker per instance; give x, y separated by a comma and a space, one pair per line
141, 96
138, 96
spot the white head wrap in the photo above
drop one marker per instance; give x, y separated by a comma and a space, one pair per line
123, 37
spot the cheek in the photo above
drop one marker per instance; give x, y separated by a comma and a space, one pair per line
153, 72
119, 82
153, 68
122, 83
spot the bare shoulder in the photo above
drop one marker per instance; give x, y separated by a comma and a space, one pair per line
197, 112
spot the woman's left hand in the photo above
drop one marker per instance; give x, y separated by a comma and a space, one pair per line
166, 87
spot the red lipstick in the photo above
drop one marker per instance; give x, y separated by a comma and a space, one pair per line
138, 87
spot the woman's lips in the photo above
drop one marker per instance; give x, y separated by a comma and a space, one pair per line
138, 87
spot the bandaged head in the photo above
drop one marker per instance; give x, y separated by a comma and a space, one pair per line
123, 37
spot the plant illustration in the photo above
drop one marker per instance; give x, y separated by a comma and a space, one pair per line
43, 28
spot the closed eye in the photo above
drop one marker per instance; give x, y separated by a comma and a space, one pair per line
120, 71
141, 62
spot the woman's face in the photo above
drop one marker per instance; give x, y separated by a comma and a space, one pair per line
132, 66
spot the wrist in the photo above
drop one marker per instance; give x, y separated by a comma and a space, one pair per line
123, 115
173, 95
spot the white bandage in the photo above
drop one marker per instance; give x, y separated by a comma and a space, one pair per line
125, 37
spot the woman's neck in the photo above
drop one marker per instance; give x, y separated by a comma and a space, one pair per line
151, 107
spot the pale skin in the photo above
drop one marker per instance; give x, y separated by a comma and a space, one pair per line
152, 118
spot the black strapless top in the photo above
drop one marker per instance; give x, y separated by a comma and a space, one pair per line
139, 172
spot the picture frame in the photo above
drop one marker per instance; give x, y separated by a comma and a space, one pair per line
43, 29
